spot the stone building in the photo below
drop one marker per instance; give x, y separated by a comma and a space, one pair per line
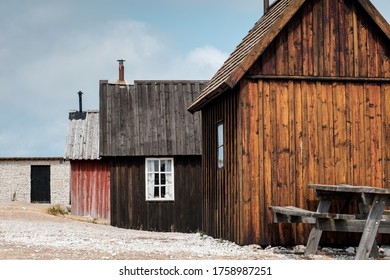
42, 180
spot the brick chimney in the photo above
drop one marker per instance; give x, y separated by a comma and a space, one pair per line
121, 71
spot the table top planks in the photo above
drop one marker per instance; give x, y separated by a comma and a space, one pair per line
349, 189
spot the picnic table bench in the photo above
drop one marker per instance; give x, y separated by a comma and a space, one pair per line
371, 219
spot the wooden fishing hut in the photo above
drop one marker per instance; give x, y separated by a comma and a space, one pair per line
154, 147
304, 98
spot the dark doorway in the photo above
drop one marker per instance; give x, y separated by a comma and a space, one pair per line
40, 183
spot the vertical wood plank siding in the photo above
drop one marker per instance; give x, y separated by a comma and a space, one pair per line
220, 186
131, 210
329, 38
90, 184
341, 143
281, 134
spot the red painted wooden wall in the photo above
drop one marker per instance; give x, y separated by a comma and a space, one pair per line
90, 184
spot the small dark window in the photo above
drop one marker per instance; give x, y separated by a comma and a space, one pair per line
220, 147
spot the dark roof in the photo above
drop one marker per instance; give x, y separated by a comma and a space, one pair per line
257, 40
82, 142
149, 118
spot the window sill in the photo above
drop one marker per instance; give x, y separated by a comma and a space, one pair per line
159, 200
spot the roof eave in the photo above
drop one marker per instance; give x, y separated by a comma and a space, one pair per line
376, 16
260, 47
250, 59
200, 103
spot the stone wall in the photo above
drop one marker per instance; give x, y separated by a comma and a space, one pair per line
15, 179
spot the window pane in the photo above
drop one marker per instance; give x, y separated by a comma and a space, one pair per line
220, 146
220, 157
163, 180
220, 135
156, 165
150, 185
169, 178
150, 165
169, 165
150, 179
168, 191
162, 191
162, 165
156, 192
156, 179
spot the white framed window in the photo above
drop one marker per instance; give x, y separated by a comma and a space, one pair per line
159, 179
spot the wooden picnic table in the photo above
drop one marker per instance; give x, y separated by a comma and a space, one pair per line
370, 220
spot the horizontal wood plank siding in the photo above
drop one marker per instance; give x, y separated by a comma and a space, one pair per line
90, 188
131, 210
149, 118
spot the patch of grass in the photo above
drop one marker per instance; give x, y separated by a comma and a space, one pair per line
202, 234
57, 210
92, 221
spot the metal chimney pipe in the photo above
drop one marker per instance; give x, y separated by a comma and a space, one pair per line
80, 101
266, 6
121, 70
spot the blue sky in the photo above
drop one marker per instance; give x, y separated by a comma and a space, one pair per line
51, 49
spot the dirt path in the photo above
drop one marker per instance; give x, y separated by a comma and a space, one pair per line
27, 231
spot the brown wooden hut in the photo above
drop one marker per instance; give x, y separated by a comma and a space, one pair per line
154, 146
90, 175
304, 98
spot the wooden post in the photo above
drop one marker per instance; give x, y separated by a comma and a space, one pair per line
315, 234
367, 240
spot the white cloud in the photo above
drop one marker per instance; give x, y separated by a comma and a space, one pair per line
43, 86
78, 60
198, 64
207, 58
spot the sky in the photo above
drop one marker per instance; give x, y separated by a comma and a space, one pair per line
52, 49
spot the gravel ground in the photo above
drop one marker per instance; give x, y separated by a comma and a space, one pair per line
27, 231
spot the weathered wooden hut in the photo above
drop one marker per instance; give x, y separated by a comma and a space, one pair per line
304, 98
90, 175
154, 146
